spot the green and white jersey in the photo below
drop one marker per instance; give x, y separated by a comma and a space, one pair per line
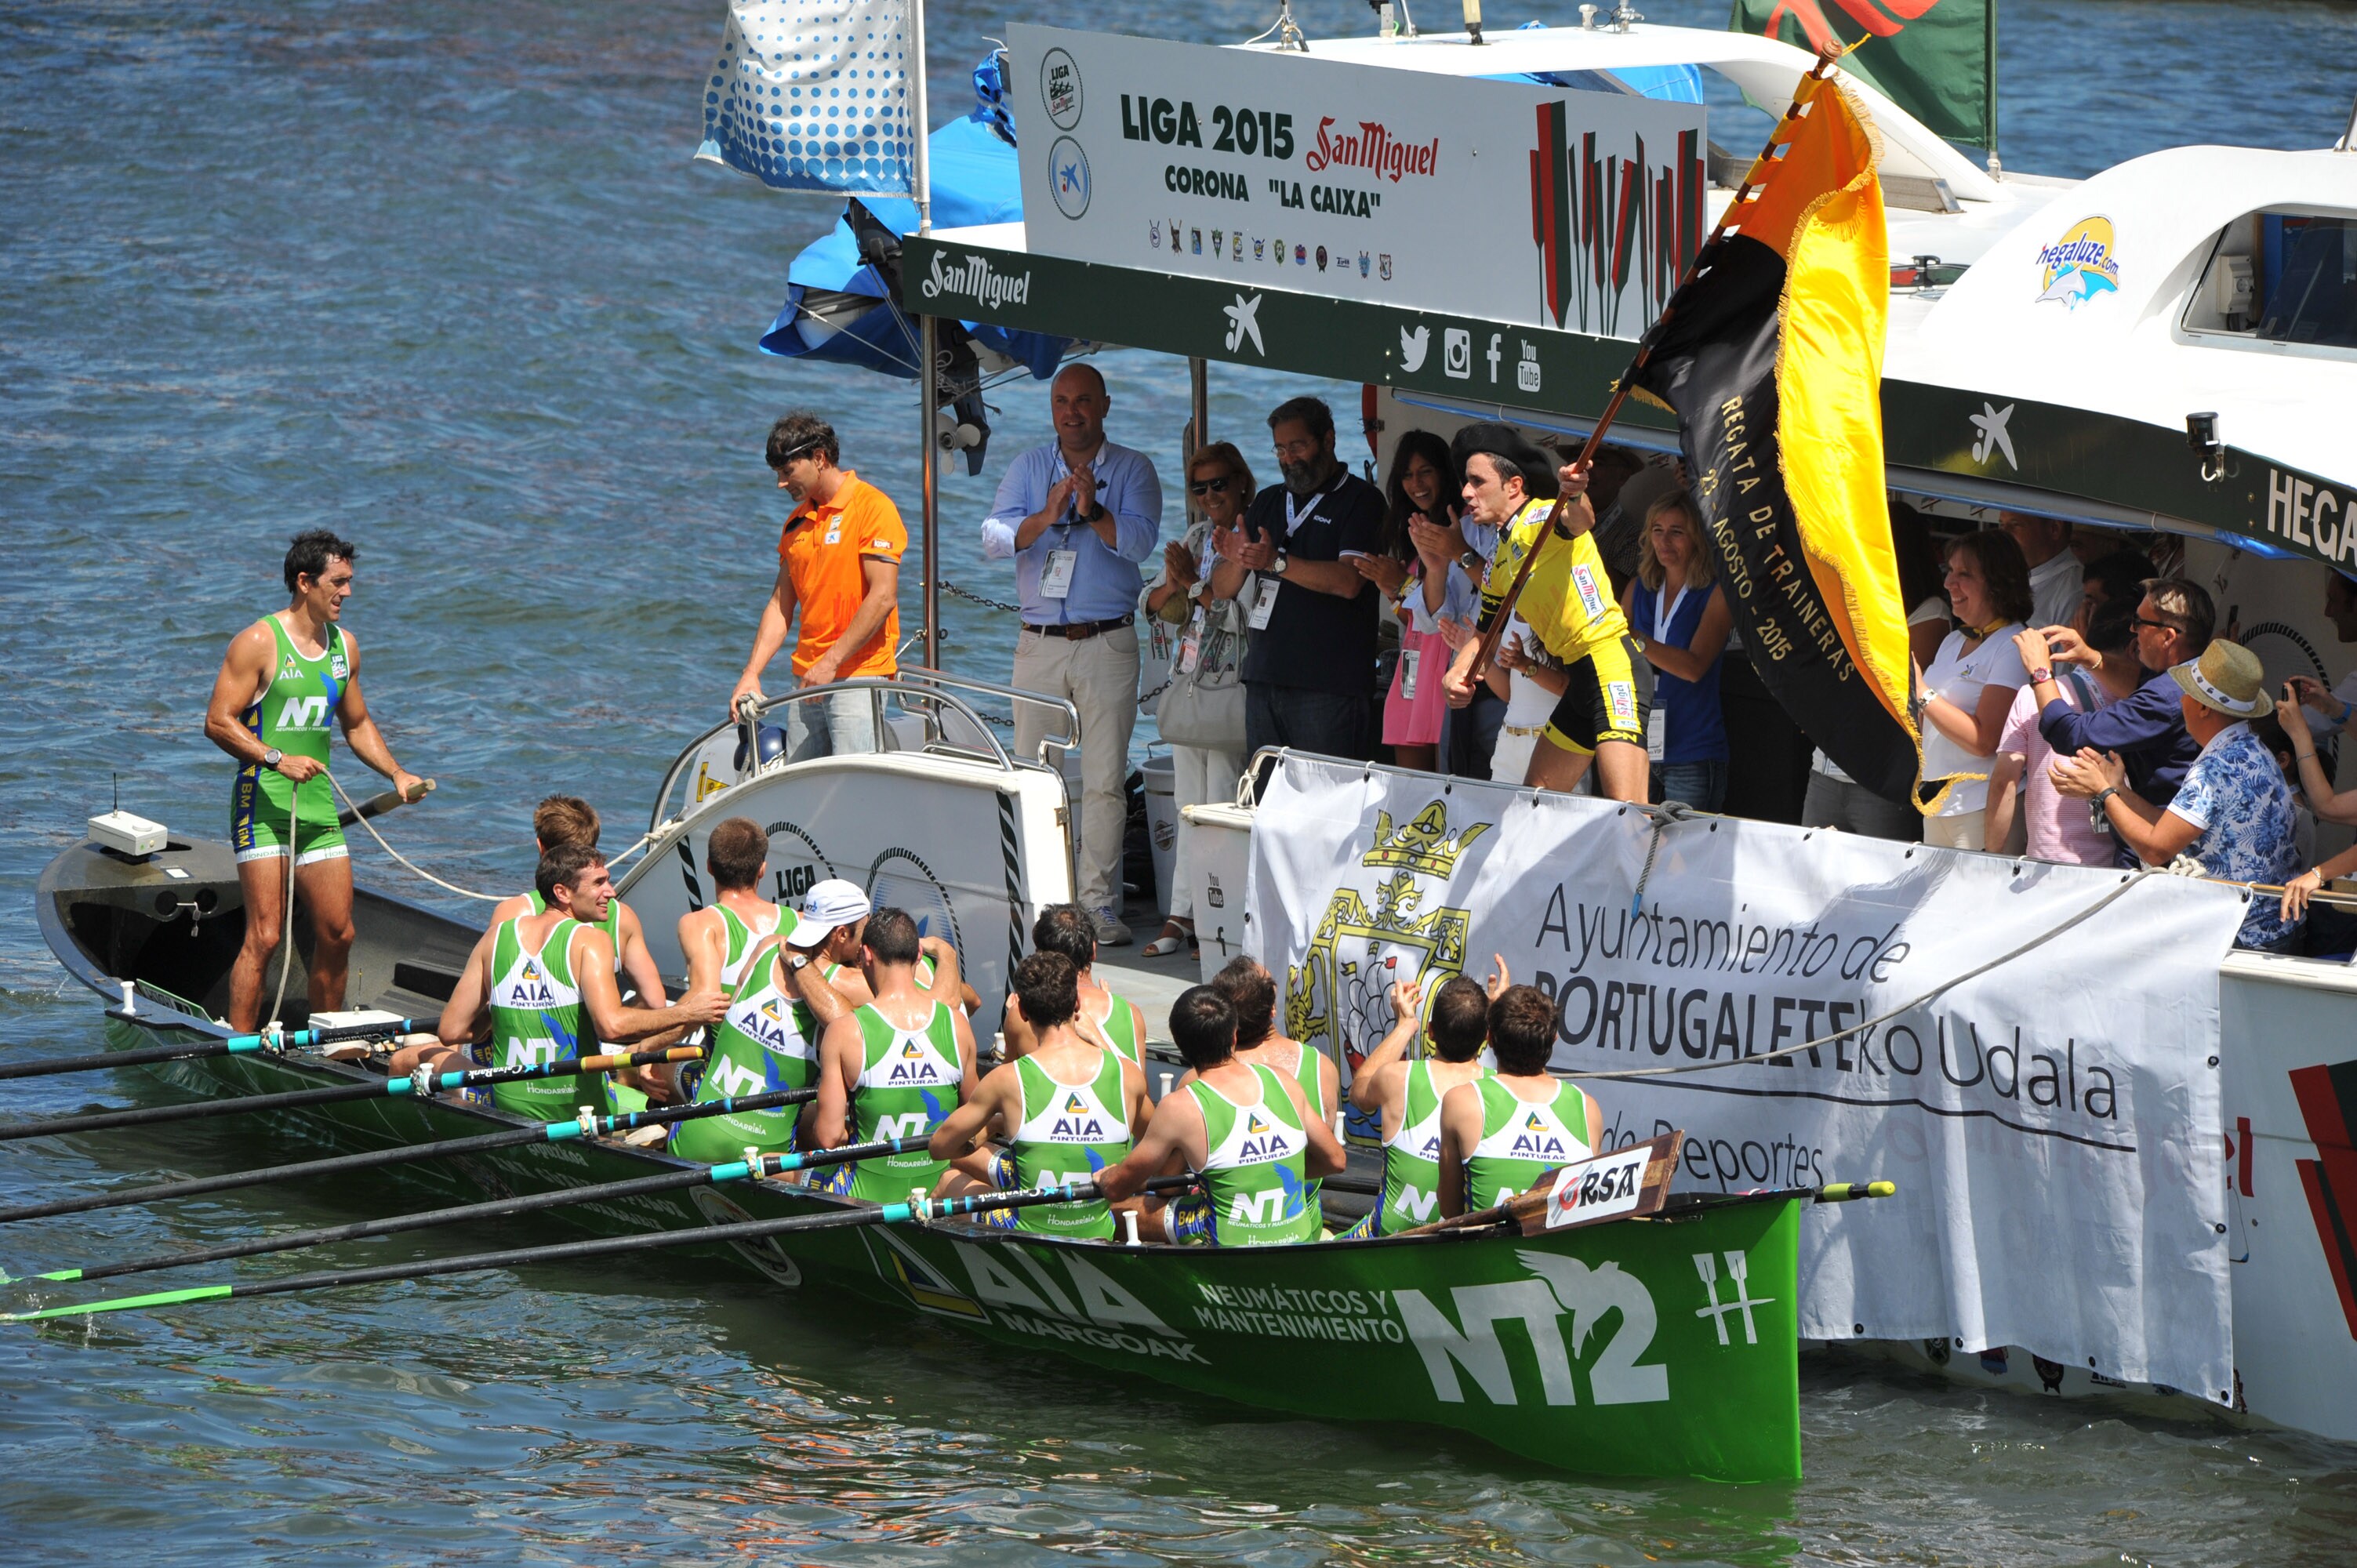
295, 713
743, 938
767, 1041
1070, 1133
1254, 1171
537, 1020
1314, 1073
909, 1080
1411, 1157
1522, 1140
1124, 1030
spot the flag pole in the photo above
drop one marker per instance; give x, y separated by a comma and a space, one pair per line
929, 459
1762, 169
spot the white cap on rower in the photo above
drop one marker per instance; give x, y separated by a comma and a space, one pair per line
831, 903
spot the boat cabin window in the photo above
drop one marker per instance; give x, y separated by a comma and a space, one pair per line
2281, 277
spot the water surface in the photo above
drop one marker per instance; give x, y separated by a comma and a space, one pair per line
443, 277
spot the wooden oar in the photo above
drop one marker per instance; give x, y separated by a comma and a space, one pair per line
923, 1210
377, 804
344, 1164
497, 1209
236, 1045
475, 1078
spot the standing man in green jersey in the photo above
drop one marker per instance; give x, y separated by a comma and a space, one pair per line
719, 937
540, 988
1499, 1133
1071, 1109
282, 677
1408, 1095
895, 1067
1107, 1019
1246, 1127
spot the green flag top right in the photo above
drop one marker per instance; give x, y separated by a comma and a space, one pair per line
1934, 58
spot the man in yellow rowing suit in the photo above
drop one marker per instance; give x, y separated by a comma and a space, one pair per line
282, 677
1568, 602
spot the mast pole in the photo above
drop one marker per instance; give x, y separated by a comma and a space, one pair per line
928, 345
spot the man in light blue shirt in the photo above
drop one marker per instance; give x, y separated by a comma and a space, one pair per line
1078, 515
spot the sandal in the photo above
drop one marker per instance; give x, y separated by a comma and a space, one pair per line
1173, 938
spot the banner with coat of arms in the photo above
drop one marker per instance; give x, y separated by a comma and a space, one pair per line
2052, 1124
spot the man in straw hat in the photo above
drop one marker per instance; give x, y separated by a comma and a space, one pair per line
2234, 812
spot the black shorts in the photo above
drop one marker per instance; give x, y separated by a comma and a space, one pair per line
1602, 701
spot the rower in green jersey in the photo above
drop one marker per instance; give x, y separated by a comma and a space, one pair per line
280, 682
1251, 990
1406, 1095
1501, 1135
1247, 1128
777, 1015
1112, 1021
719, 937
539, 990
1072, 1108
895, 1067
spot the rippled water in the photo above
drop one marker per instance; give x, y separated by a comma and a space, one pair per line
442, 276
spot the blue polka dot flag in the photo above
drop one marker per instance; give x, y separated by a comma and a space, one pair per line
814, 95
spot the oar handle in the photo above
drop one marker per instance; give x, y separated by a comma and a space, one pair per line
1850, 1191
377, 804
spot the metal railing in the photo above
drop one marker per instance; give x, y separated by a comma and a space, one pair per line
929, 695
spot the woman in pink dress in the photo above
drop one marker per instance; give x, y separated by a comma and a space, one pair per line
1422, 479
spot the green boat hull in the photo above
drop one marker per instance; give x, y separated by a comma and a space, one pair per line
1661, 1346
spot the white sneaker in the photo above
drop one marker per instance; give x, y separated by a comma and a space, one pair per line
1111, 932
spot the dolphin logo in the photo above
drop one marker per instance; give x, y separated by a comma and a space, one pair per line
1243, 321
2076, 285
1412, 346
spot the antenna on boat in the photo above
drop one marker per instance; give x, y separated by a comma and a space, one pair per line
2347, 142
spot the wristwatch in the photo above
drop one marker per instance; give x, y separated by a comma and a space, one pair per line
798, 961
2037, 677
1096, 512
273, 757
1277, 565
2102, 795
1637, 641
1470, 561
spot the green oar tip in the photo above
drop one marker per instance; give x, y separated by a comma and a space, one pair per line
63, 1276
126, 1303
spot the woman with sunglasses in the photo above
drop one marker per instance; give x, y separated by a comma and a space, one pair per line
1205, 766
1415, 571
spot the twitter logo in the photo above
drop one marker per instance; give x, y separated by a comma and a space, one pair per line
1412, 346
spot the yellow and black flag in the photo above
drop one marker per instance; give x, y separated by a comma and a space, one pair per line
1770, 355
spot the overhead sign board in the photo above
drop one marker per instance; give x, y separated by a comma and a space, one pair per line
1498, 200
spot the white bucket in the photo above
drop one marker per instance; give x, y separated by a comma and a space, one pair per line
1162, 824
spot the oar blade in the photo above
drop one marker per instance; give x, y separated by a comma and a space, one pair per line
125, 1303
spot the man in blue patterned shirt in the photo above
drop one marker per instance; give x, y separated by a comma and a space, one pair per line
2233, 813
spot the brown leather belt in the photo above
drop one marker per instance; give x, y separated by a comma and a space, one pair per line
1081, 631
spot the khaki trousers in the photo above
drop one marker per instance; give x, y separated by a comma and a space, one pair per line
1099, 676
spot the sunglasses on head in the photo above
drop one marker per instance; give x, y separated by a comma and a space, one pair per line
1218, 486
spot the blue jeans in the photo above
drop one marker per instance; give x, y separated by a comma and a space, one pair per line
1701, 785
1331, 723
831, 727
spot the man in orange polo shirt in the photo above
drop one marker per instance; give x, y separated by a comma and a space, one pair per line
839, 564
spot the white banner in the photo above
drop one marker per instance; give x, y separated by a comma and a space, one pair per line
2052, 1125
814, 95
1506, 201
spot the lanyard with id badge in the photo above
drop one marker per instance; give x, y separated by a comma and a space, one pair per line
1269, 584
1657, 720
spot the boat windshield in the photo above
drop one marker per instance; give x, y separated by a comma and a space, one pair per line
2313, 297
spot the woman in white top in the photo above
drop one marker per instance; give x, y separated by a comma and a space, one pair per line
1220, 483
1834, 798
1971, 683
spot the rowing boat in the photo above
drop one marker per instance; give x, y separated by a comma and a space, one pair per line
1659, 1345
